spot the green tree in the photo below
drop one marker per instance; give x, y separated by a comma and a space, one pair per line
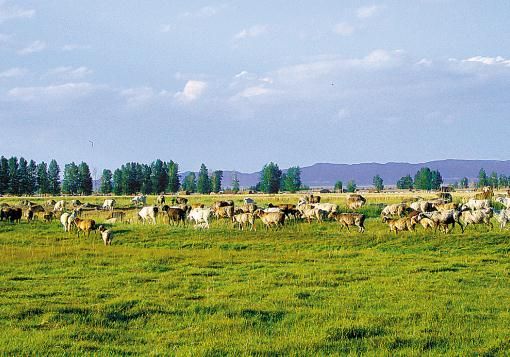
14, 184
378, 183
405, 183
144, 179
464, 182
106, 182
85, 184
503, 181
32, 177
54, 178
216, 178
159, 176
291, 180
483, 180
43, 182
422, 179
435, 180
117, 182
494, 180
270, 178
71, 181
24, 181
235, 183
339, 186
4, 175
173, 177
189, 183
351, 186
203, 182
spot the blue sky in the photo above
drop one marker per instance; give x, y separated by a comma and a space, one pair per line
238, 84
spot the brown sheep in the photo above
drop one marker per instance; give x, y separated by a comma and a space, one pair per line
176, 215
401, 224
270, 219
85, 225
48, 217
244, 219
224, 212
349, 219
355, 201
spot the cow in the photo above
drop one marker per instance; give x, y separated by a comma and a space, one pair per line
108, 204
148, 213
200, 216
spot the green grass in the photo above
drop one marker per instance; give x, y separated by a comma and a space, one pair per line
302, 290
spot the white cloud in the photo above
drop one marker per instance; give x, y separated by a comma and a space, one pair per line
192, 91
206, 11
366, 12
14, 12
254, 92
52, 92
489, 60
74, 46
343, 29
252, 32
70, 73
424, 62
36, 46
13, 72
166, 28
138, 96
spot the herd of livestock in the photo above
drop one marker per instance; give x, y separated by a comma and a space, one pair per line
440, 213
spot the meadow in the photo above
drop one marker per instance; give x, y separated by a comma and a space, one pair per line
305, 289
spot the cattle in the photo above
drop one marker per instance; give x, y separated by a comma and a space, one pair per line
396, 209
59, 206
503, 217
48, 217
106, 234
67, 219
109, 204
271, 219
400, 224
243, 220
475, 205
30, 215
200, 216
160, 200
349, 219
148, 213
84, 225
224, 212
355, 201
11, 214
505, 201
481, 216
248, 200
139, 200
176, 215
443, 219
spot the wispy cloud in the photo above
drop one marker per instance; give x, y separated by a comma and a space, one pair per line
53, 92
206, 11
251, 32
166, 28
69, 73
343, 29
74, 47
13, 72
366, 12
36, 46
489, 60
8, 12
192, 91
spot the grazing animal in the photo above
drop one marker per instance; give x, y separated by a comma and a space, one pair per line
219, 204
243, 220
308, 212
84, 225
109, 204
505, 201
355, 201
111, 221
200, 216
475, 205
249, 207
481, 216
48, 217
106, 234
401, 224
271, 219
67, 219
59, 206
422, 206
148, 213
503, 217
446, 206
76, 203
248, 200
181, 200
176, 215
425, 222
396, 209
30, 215
349, 219
11, 214
487, 193
139, 200
160, 200
224, 212
326, 207
443, 219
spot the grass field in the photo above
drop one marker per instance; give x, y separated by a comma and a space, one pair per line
302, 290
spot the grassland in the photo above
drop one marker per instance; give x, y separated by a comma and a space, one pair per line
302, 290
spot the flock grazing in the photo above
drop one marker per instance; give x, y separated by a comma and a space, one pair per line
439, 213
